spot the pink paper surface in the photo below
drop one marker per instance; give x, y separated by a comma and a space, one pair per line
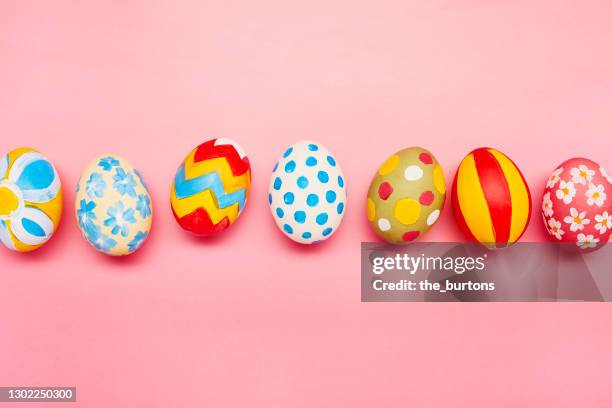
250, 319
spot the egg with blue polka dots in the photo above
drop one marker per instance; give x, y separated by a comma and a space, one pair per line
307, 194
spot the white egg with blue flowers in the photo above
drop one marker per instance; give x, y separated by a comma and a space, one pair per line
112, 206
307, 193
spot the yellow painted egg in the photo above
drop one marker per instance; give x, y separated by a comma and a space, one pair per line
30, 199
491, 199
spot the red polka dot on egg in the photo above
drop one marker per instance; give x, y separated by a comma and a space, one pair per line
425, 158
426, 198
385, 190
410, 236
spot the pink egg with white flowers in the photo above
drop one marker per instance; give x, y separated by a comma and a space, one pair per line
577, 204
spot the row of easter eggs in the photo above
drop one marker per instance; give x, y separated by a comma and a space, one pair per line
114, 209
490, 198
307, 197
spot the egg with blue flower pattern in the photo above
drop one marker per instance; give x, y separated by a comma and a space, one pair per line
30, 200
113, 206
307, 194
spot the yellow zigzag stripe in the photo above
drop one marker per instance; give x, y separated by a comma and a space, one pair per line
205, 199
223, 169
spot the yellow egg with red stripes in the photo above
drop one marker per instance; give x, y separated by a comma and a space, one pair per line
491, 199
211, 187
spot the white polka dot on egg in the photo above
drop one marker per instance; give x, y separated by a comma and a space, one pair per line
413, 173
307, 194
384, 224
433, 217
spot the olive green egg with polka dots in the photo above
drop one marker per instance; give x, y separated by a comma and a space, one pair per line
406, 196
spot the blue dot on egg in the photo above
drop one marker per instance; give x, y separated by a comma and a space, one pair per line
288, 229
323, 176
278, 183
322, 218
270, 198
306, 235
331, 161
299, 216
340, 181
330, 196
275, 167
289, 198
313, 147
327, 231
340, 208
311, 161
302, 182
280, 212
312, 200
290, 166
288, 152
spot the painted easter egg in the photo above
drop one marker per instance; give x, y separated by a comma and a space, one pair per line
307, 193
406, 196
30, 199
113, 207
211, 187
577, 204
491, 200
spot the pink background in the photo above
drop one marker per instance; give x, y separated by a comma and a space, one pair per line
250, 319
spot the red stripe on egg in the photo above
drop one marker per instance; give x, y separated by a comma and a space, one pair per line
497, 194
459, 215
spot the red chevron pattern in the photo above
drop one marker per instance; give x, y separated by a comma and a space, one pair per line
208, 150
199, 223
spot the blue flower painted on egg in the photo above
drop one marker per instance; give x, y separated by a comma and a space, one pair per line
86, 216
139, 238
100, 241
119, 219
143, 205
95, 186
124, 182
107, 163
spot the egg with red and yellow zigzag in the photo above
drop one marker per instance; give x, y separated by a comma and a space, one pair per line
491, 200
211, 187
